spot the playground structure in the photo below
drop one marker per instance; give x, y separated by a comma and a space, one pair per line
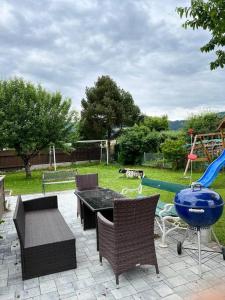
209, 148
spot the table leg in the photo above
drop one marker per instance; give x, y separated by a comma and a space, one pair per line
88, 217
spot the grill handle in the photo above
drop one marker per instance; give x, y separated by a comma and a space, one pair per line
196, 186
196, 210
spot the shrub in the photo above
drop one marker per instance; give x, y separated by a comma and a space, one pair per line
135, 141
174, 150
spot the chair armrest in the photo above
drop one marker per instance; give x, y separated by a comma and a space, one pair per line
41, 203
103, 221
127, 190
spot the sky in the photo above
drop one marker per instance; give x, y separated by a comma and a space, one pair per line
65, 45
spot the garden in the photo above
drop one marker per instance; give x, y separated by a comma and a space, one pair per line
110, 177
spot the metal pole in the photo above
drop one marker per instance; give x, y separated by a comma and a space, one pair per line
50, 156
199, 253
107, 153
191, 162
101, 152
54, 157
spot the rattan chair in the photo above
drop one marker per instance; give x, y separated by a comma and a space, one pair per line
129, 240
85, 182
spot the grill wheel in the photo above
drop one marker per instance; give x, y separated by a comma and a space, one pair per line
223, 252
179, 249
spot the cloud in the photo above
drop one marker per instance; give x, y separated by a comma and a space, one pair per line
65, 45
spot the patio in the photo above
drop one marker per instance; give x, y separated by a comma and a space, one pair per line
178, 274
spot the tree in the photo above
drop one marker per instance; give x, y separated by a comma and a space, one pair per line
208, 15
31, 118
106, 106
174, 150
203, 123
156, 123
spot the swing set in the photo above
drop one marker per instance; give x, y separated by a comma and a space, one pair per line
205, 147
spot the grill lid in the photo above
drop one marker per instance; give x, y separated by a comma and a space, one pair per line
198, 197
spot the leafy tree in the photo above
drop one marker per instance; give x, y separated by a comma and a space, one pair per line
106, 106
174, 150
135, 141
208, 15
203, 123
172, 134
156, 123
31, 118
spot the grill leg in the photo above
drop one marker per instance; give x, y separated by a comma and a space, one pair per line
215, 237
199, 252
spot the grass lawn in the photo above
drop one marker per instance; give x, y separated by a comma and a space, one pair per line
109, 177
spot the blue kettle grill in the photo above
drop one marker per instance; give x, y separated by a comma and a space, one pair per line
200, 208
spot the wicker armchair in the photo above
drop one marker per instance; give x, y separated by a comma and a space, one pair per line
85, 182
129, 240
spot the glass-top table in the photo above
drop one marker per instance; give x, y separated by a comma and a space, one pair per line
98, 199
94, 201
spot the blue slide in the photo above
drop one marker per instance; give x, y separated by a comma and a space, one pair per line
212, 171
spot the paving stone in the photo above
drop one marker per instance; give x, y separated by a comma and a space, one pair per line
168, 271
172, 297
177, 280
124, 292
147, 295
30, 293
66, 288
162, 289
48, 296
85, 295
31, 283
48, 286
139, 284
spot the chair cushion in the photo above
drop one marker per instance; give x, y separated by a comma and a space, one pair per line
45, 227
161, 205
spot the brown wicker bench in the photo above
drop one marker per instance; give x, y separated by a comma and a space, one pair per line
47, 244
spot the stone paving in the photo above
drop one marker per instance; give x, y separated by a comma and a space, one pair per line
178, 274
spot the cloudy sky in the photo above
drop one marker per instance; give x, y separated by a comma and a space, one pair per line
66, 44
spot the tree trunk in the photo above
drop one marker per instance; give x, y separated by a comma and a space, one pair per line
27, 167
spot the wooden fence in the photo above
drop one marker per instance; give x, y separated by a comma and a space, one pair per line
10, 160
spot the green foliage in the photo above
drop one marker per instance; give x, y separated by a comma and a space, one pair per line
172, 135
31, 118
203, 123
106, 106
156, 123
208, 15
174, 150
135, 141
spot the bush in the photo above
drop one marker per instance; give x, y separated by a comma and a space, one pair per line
174, 150
135, 141
172, 135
